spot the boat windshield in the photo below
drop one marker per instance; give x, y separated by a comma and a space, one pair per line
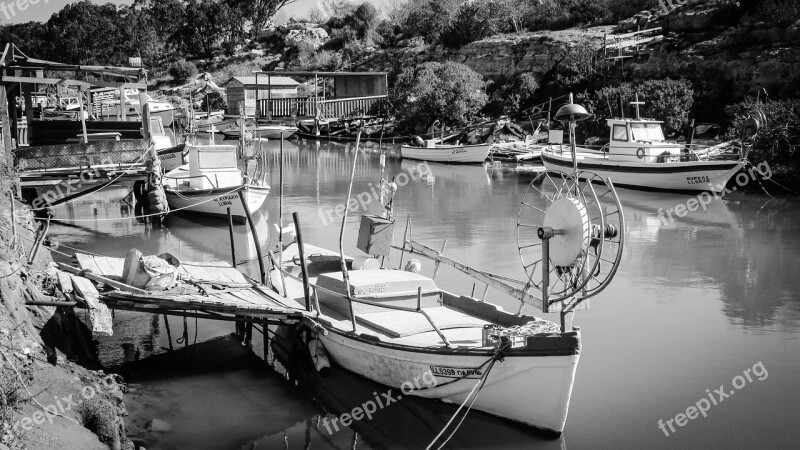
647, 132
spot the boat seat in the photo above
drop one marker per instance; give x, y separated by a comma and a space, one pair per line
397, 324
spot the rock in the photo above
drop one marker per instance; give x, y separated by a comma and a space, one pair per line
696, 18
158, 425
640, 21
307, 38
257, 52
415, 41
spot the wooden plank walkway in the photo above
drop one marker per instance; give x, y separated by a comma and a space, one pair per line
214, 290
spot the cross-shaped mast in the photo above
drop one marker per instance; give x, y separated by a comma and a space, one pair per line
637, 103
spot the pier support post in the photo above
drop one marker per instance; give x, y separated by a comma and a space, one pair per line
255, 237
169, 333
264, 327
248, 335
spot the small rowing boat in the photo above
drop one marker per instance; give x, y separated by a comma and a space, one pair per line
434, 152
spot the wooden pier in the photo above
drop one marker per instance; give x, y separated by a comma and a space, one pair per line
209, 290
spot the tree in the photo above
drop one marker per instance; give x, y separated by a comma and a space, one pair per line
449, 92
666, 100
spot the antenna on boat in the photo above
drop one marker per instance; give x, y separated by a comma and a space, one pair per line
636, 104
572, 113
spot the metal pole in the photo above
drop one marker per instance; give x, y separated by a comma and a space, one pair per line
83, 116
255, 237
230, 232
280, 212
545, 273
303, 267
345, 275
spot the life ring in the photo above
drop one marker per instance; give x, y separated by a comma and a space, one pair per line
640, 153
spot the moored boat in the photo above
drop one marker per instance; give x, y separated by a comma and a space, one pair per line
464, 154
639, 156
211, 182
397, 326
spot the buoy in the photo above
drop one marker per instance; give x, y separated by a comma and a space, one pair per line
157, 201
320, 357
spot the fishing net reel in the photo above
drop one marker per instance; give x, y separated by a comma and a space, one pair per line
570, 235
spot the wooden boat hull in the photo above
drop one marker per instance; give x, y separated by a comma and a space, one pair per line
274, 132
215, 202
528, 386
462, 154
690, 176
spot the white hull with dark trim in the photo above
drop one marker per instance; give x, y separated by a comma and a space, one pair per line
689, 176
215, 202
531, 389
172, 158
463, 154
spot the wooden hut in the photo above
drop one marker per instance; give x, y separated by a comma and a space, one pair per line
247, 88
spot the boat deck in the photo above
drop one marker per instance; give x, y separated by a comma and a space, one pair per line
215, 289
462, 329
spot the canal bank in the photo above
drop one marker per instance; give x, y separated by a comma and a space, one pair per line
53, 393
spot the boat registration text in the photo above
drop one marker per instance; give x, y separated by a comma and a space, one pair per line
456, 372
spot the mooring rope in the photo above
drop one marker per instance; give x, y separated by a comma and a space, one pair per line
499, 355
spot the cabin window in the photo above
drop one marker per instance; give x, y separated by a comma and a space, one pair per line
217, 159
620, 133
647, 131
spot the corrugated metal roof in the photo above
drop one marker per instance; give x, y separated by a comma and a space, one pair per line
262, 81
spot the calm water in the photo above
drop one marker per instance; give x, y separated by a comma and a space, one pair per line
695, 304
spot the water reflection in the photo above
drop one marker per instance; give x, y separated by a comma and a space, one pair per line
694, 302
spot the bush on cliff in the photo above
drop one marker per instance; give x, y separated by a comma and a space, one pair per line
778, 138
510, 95
667, 100
449, 92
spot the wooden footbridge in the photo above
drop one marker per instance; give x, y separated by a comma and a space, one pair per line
205, 290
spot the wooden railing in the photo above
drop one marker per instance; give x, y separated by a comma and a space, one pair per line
628, 42
328, 109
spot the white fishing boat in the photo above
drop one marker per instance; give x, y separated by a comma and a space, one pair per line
108, 105
210, 184
435, 152
398, 327
638, 156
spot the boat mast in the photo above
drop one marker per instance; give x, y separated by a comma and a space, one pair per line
345, 275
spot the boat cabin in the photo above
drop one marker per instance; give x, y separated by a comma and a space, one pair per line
212, 166
639, 140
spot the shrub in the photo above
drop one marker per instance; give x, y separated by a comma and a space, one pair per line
181, 71
666, 100
99, 417
511, 95
777, 140
472, 22
322, 60
449, 92
213, 102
